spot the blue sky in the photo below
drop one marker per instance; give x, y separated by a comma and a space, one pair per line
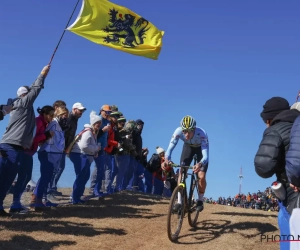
220, 61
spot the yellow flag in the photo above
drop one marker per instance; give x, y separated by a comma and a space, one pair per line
115, 26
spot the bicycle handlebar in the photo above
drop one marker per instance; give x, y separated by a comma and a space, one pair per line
178, 166
188, 167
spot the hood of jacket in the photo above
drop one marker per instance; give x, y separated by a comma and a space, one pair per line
286, 116
137, 131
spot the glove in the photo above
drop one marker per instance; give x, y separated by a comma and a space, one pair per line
6, 109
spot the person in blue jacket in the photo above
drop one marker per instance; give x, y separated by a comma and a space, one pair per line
293, 156
98, 172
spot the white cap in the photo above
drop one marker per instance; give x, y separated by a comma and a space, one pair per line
296, 105
79, 106
159, 150
21, 91
94, 118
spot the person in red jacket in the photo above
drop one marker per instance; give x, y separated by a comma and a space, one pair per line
45, 117
25, 172
111, 143
110, 166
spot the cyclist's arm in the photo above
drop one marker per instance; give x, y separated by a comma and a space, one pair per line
173, 143
205, 149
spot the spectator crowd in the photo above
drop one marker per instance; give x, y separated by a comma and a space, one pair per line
265, 201
108, 142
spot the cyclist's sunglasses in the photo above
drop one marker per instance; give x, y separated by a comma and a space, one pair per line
187, 130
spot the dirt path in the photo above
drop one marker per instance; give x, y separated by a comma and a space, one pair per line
134, 221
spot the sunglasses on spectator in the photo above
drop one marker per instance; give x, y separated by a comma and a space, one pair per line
107, 112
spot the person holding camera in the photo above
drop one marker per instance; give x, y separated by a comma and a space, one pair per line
123, 156
110, 167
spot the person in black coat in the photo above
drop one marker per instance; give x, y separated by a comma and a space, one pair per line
270, 157
137, 141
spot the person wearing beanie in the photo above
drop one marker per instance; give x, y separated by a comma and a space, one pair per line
159, 150
18, 135
273, 107
270, 157
136, 168
158, 176
82, 154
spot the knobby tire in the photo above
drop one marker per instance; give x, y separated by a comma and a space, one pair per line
193, 214
174, 236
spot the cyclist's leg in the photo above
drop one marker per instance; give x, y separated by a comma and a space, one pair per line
201, 188
185, 159
202, 180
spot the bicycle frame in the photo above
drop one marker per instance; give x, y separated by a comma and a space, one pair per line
187, 205
194, 177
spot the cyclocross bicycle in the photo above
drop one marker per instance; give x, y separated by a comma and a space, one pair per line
176, 212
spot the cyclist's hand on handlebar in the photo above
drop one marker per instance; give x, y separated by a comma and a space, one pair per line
197, 167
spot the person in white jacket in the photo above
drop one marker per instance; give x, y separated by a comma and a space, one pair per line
82, 155
49, 155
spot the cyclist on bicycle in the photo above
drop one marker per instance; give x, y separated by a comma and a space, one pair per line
195, 142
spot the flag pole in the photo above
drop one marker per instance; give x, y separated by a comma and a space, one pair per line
63, 33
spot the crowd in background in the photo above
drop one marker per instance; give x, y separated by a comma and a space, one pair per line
265, 201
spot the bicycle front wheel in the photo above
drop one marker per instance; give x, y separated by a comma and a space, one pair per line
176, 213
193, 214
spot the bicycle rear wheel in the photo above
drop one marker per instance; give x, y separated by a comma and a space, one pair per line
175, 216
193, 214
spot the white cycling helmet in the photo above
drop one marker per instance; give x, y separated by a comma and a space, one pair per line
188, 122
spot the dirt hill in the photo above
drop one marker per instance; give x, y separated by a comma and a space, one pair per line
134, 221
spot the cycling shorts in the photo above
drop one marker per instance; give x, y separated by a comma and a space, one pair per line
188, 153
